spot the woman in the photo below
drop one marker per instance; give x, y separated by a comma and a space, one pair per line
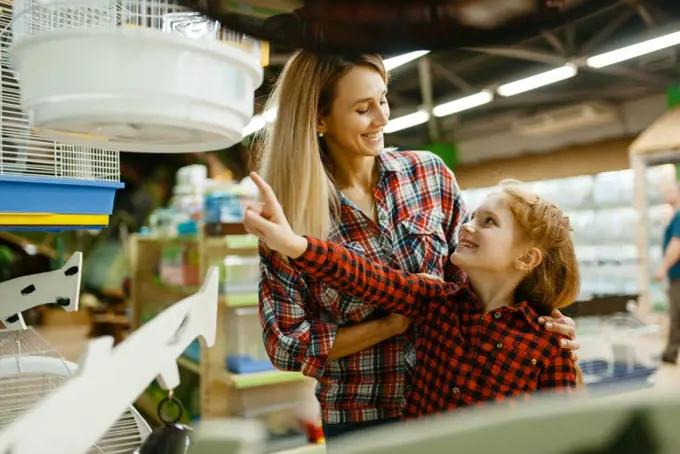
324, 157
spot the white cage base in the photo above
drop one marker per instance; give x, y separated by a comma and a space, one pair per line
136, 89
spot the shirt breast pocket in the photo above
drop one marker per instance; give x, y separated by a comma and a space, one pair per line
423, 244
511, 370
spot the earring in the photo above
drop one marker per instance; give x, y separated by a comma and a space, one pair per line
320, 135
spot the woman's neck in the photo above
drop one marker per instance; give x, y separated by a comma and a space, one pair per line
494, 289
356, 173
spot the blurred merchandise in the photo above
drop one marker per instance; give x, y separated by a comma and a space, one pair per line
197, 199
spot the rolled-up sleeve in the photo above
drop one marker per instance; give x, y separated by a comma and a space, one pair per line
294, 336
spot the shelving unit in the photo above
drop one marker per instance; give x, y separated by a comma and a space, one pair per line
221, 393
658, 145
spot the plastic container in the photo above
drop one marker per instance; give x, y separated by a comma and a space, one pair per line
189, 200
22, 194
176, 83
245, 350
620, 351
194, 175
179, 265
241, 274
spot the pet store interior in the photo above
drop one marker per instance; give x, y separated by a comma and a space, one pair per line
123, 255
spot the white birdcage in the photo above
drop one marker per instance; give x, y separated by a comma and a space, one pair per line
43, 182
136, 75
618, 352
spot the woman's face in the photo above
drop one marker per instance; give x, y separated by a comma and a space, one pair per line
354, 126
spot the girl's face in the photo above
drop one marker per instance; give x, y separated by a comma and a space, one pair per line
354, 126
490, 241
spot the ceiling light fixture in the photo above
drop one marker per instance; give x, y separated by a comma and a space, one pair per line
401, 60
407, 121
539, 80
635, 50
459, 105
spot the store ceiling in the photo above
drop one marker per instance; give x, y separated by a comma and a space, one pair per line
457, 73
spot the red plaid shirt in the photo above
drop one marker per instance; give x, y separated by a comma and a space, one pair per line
419, 211
464, 355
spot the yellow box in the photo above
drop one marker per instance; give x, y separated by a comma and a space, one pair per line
51, 219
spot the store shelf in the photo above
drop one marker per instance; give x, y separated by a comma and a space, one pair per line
231, 245
215, 383
245, 300
275, 377
189, 365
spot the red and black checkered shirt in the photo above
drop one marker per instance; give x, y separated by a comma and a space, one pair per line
419, 210
464, 355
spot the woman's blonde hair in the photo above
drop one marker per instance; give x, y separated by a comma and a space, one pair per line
555, 282
292, 158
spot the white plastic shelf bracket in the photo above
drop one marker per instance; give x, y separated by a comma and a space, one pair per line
71, 419
61, 286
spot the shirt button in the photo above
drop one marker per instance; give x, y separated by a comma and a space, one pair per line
456, 391
499, 345
497, 315
533, 361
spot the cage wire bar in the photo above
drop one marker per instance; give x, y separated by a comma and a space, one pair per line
23, 151
33, 17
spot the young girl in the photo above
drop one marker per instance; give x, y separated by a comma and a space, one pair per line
478, 339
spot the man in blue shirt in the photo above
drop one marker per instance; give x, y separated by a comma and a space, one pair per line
671, 268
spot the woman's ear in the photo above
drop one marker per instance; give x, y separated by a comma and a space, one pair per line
321, 126
530, 260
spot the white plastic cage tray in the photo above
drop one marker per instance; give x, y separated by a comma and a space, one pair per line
144, 76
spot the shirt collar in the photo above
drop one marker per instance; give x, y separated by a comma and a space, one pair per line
529, 313
524, 308
389, 162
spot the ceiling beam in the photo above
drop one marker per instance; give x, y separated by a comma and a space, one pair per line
551, 59
521, 53
605, 32
450, 76
645, 14
555, 42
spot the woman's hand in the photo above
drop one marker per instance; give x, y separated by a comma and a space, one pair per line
565, 326
267, 221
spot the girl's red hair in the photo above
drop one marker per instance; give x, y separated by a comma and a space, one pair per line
554, 283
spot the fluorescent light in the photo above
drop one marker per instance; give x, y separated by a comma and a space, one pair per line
636, 50
401, 60
407, 121
270, 115
539, 80
459, 105
258, 122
